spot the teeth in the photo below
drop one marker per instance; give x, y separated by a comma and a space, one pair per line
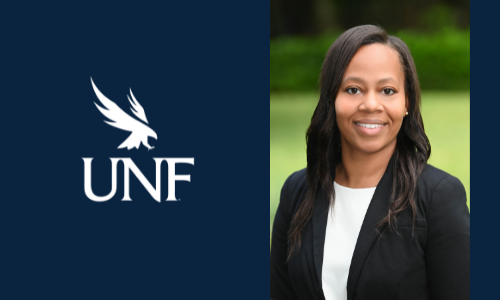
369, 125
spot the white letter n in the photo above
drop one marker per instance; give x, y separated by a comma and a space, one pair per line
129, 165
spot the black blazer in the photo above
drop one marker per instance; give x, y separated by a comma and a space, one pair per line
433, 264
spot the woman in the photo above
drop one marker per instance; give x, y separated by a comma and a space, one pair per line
369, 218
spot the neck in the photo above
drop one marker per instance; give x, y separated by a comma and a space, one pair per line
361, 169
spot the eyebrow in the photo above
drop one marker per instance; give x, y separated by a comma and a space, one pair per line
362, 81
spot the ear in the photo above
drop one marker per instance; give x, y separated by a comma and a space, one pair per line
407, 103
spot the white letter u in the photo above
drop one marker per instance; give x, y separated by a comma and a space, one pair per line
88, 180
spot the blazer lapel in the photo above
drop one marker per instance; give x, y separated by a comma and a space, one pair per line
377, 210
319, 221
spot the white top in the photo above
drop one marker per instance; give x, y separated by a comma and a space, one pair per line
342, 232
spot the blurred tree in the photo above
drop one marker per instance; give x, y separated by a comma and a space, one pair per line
311, 17
293, 17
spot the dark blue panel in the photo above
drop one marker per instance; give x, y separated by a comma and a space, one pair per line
484, 149
201, 72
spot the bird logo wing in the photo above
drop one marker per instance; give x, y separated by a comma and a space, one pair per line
137, 108
121, 120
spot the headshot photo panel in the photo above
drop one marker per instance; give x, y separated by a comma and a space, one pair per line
369, 151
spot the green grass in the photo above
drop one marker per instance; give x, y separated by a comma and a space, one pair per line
446, 121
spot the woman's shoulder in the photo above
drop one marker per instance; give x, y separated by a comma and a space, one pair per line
437, 187
432, 177
444, 204
297, 178
294, 188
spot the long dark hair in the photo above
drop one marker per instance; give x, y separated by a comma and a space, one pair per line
323, 136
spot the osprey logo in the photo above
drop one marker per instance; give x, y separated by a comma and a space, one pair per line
139, 134
123, 121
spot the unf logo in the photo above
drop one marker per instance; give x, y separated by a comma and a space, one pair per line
130, 166
139, 135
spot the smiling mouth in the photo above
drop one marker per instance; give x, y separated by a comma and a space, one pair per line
371, 126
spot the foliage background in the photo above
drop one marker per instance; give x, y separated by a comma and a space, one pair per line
438, 35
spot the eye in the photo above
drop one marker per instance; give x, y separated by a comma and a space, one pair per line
388, 91
352, 91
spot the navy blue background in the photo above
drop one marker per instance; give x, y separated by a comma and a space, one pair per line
485, 165
201, 72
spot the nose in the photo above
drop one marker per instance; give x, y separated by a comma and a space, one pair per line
371, 103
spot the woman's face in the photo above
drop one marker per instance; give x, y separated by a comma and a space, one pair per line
371, 102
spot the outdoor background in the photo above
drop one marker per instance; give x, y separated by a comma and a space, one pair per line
438, 35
